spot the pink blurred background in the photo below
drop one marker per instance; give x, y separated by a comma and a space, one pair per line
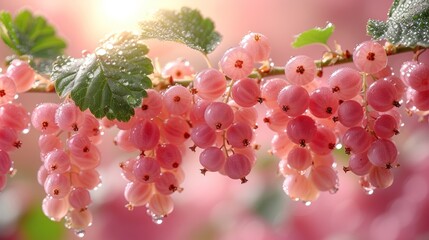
211, 206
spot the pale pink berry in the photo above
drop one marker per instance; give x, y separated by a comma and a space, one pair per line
210, 84
178, 69
177, 99
22, 74
236, 63
370, 57
300, 70
7, 89
237, 166
257, 45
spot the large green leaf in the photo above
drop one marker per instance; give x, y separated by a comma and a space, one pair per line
407, 24
30, 35
186, 26
314, 36
110, 82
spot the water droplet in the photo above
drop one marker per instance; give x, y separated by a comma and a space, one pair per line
80, 233
307, 203
100, 51
120, 52
109, 46
157, 219
90, 75
26, 131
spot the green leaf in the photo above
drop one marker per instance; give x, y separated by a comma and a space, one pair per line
111, 82
407, 24
314, 36
186, 26
30, 35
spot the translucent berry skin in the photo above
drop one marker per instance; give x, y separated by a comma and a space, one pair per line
382, 96
324, 178
324, 141
385, 126
146, 169
57, 161
203, 135
380, 177
237, 166
270, 91
359, 164
212, 159
299, 187
43, 118
350, 113
293, 100
299, 158
160, 205
14, 116
79, 198
323, 103
177, 99
382, 153
57, 185
175, 130
210, 84
276, 120
300, 70
7, 89
8, 139
356, 140
239, 135
22, 74
219, 115
236, 63
246, 92
145, 135
370, 57
55, 208
168, 156
301, 130
257, 45
151, 105
166, 184
420, 99
138, 193
178, 69
345, 83
68, 117
80, 219
417, 77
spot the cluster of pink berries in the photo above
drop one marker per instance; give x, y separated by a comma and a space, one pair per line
14, 119
68, 171
158, 130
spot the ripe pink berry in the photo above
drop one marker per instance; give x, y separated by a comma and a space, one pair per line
370, 57
7, 89
300, 70
22, 74
257, 45
236, 63
210, 84
246, 92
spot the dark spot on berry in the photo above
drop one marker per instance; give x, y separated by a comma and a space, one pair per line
144, 107
175, 165
300, 69
238, 64
2, 93
370, 56
176, 99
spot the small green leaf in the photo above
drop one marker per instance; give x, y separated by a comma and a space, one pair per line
407, 24
187, 27
30, 35
314, 36
111, 82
